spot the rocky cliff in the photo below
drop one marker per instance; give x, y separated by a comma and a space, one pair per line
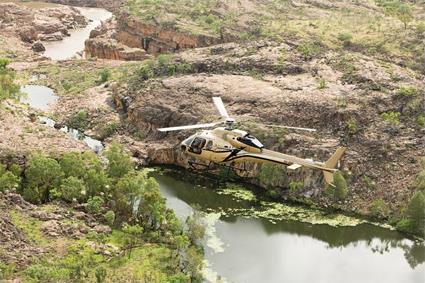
347, 107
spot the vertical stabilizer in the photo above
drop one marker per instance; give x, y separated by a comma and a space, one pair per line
331, 163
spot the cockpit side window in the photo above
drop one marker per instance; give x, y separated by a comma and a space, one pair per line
209, 144
197, 145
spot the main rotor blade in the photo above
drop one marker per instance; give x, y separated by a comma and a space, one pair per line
220, 106
188, 127
292, 128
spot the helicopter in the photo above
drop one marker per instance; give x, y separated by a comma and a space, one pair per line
227, 145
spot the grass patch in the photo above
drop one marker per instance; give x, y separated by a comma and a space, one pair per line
30, 226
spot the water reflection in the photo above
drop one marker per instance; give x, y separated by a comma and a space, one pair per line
38, 96
257, 250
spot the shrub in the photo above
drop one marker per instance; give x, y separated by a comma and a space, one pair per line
271, 174
79, 120
73, 189
322, 83
371, 184
379, 209
338, 189
420, 181
104, 74
100, 274
345, 38
43, 173
8, 88
110, 218
295, 186
352, 126
420, 120
145, 72
119, 162
109, 130
391, 117
94, 204
407, 91
420, 27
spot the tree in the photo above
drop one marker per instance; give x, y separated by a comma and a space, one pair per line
97, 183
8, 88
8, 180
127, 192
132, 237
416, 213
43, 173
72, 164
73, 189
152, 208
119, 162
338, 189
404, 14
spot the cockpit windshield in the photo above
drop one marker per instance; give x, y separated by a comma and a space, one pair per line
251, 141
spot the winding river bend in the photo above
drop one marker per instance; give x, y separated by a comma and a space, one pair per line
243, 247
247, 249
72, 45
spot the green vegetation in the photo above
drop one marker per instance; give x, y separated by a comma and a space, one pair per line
322, 83
379, 209
352, 126
154, 241
413, 220
186, 15
105, 75
391, 117
8, 179
407, 91
8, 87
338, 189
295, 186
109, 129
398, 9
271, 174
164, 65
79, 120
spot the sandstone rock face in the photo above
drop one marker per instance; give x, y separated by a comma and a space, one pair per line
123, 38
39, 24
102, 44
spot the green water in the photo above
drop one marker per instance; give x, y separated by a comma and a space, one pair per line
245, 247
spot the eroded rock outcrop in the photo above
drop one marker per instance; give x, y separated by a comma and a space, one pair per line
39, 24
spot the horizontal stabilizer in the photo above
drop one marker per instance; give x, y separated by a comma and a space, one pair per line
294, 166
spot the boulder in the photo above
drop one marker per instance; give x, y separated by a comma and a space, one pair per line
38, 47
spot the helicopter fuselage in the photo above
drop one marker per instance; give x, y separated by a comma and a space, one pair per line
220, 144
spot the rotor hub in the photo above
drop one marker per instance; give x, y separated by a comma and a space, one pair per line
229, 123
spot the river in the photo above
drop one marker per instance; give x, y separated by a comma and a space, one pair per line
72, 45
251, 249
